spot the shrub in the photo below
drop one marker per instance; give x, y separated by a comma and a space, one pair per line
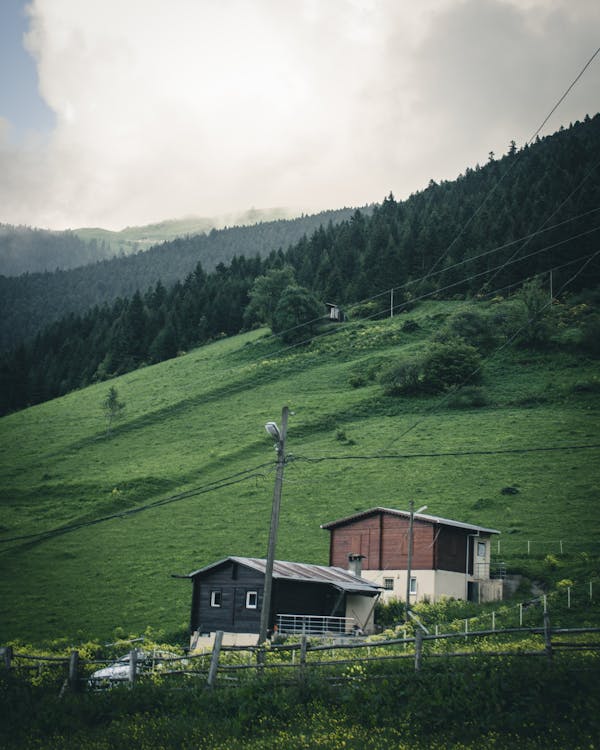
404, 377
448, 364
474, 327
442, 366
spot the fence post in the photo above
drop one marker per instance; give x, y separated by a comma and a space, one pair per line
591, 597
6, 654
74, 671
520, 615
547, 638
132, 665
214, 661
418, 649
493, 621
303, 647
568, 597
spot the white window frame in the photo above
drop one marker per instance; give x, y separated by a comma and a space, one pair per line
413, 585
216, 598
481, 546
251, 595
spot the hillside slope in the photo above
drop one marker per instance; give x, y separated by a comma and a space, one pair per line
192, 450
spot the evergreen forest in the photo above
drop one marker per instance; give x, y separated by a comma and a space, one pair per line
83, 268
534, 212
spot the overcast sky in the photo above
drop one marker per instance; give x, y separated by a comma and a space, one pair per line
123, 112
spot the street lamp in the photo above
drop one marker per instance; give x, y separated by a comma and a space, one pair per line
410, 551
279, 438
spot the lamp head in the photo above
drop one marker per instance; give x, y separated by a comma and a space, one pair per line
273, 430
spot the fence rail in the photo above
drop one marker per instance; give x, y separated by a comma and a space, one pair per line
314, 624
305, 655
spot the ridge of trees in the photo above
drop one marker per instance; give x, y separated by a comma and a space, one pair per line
470, 221
31, 301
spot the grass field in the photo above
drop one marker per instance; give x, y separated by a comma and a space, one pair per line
199, 419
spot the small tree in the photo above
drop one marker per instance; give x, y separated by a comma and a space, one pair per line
297, 315
113, 408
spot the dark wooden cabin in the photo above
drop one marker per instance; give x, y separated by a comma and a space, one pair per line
228, 595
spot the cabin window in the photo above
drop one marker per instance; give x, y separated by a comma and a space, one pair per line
413, 585
251, 599
388, 584
215, 598
480, 549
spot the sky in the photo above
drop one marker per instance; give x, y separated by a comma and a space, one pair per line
116, 113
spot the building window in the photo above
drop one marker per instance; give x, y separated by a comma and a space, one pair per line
480, 549
413, 585
388, 584
251, 599
215, 598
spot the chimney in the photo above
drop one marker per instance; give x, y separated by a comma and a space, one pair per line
355, 564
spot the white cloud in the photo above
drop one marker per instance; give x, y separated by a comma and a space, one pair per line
192, 106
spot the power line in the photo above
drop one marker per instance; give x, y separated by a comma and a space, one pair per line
445, 454
237, 478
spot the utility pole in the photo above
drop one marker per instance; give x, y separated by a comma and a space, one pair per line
279, 437
392, 302
409, 561
410, 553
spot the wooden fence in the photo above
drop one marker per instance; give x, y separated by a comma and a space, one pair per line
226, 664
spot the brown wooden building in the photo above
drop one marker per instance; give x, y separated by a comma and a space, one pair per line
449, 558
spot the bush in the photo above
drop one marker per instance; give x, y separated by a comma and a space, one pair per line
442, 366
404, 377
448, 364
474, 327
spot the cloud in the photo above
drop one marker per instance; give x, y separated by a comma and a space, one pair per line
172, 108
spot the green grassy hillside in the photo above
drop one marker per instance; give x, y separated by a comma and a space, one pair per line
199, 419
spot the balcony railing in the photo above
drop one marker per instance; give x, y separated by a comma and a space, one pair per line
314, 625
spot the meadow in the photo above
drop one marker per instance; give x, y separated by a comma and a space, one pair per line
185, 477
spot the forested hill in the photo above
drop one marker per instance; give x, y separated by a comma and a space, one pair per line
24, 249
33, 300
535, 210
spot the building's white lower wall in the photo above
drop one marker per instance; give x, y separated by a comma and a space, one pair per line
432, 585
362, 610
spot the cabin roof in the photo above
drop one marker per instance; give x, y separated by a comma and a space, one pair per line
406, 514
305, 572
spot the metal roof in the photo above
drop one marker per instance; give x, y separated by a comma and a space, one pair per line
304, 572
406, 514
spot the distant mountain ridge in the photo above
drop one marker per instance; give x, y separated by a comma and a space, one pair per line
33, 300
25, 249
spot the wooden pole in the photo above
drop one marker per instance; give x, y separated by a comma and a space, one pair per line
265, 612
214, 661
132, 665
74, 671
418, 649
409, 558
6, 654
303, 648
547, 637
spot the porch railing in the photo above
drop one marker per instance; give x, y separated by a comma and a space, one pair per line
314, 624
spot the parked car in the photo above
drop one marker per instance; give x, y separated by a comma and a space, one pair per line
147, 662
